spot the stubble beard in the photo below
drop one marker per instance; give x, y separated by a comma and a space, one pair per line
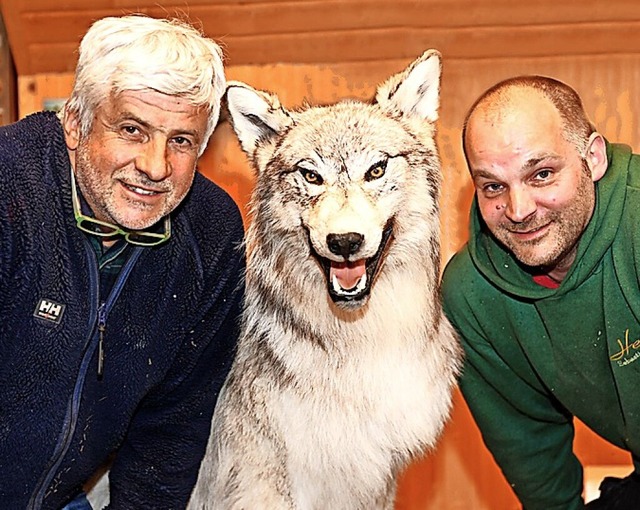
98, 192
561, 241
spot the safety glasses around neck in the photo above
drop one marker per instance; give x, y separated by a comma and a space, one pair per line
103, 229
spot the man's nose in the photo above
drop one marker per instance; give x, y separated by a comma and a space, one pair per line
521, 205
153, 161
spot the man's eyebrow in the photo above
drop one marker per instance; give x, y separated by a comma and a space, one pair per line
534, 162
483, 174
528, 165
129, 116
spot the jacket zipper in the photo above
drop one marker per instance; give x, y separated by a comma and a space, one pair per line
105, 307
73, 406
102, 326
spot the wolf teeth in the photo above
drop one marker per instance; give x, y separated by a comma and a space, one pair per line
360, 286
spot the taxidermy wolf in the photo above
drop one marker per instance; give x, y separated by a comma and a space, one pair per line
346, 364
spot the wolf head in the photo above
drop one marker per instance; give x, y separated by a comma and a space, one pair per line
344, 192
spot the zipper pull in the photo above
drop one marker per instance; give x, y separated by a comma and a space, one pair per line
102, 326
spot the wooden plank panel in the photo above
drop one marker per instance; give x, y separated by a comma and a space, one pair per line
374, 45
264, 32
15, 32
81, 5
313, 16
466, 43
438, 12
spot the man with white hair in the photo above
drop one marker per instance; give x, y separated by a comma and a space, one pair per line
120, 274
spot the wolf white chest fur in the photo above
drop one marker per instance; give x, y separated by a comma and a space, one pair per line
346, 363
351, 415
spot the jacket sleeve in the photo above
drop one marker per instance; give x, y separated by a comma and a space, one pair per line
158, 464
529, 434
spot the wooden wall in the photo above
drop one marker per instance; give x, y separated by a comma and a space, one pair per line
321, 51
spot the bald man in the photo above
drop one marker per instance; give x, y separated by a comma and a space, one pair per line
545, 294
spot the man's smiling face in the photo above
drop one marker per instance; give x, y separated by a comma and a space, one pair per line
138, 161
534, 189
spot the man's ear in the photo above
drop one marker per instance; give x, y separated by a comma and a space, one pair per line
71, 130
596, 156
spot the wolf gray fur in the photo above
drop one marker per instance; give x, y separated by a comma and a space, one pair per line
346, 363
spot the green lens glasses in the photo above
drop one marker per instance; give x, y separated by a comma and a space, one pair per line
103, 229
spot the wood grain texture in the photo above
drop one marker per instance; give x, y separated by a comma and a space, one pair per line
44, 34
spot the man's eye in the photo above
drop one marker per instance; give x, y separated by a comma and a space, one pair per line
492, 189
131, 130
182, 141
543, 174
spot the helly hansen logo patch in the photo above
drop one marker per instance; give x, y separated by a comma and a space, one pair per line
49, 310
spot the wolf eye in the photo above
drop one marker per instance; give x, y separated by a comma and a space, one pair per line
311, 177
376, 171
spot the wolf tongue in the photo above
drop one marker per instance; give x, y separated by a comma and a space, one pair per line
348, 273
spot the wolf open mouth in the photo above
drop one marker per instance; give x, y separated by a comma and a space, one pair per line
352, 280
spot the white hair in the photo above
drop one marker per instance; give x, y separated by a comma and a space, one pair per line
137, 52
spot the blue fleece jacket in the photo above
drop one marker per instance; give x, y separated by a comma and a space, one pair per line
171, 325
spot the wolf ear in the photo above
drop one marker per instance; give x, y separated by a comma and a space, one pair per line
255, 115
414, 91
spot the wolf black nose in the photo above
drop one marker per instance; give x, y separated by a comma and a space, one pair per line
344, 244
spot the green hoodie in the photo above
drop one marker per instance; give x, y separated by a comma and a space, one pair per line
536, 357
